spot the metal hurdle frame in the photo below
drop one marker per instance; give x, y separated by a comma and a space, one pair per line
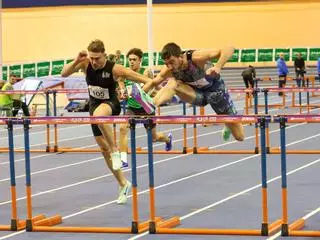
56, 148
138, 150
313, 79
311, 89
155, 228
16, 224
277, 150
296, 119
46, 92
48, 224
205, 150
184, 150
292, 229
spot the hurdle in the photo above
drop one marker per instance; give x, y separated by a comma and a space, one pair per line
47, 93
138, 150
297, 119
205, 150
168, 228
292, 229
312, 80
283, 98
284, 90
313, 90
16, 224
48, 224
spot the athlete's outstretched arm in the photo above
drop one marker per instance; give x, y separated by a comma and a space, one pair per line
120, 71
80, 62
162, 76
223, 55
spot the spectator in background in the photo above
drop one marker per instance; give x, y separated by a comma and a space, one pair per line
112, 58
300, 68
118, 59
6, 99
248, 75
282, 71
13, 100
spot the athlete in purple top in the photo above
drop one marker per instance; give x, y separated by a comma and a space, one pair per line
195, 80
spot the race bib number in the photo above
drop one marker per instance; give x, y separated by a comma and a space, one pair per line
99, 92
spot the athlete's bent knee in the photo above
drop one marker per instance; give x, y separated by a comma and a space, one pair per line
172, 83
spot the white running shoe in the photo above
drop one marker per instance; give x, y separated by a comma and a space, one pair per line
116, 161
123, 193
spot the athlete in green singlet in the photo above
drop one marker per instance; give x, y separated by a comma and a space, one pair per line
134, 57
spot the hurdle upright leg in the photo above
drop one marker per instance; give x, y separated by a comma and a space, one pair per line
185, 147
255, 97
14, 214
55, 127
286, 229
172, 222
48, 148
136, 227
39, 220
266, 228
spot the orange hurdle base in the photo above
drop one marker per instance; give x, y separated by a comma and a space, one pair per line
206, 150
17, 225
5, 228
167, 224
5, 150
142, 227
204, 231
81, 229
43, 222
275, 226
289, 151
294, 230
207, 231
305, 233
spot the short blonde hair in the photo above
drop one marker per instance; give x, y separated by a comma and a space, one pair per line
96, 46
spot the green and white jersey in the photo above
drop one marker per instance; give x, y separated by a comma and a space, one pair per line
132, 103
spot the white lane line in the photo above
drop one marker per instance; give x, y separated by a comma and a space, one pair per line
54, 168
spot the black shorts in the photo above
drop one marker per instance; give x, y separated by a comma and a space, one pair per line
116, 109
139, 112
